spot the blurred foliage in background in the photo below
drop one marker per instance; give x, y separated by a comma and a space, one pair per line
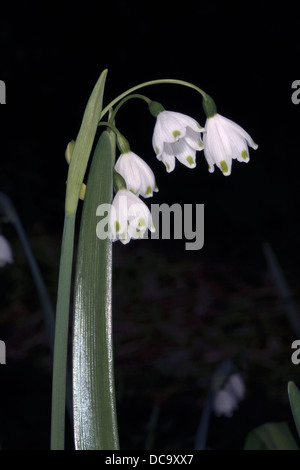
177, 316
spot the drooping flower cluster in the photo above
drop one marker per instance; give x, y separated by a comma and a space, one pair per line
129, 215
175, 136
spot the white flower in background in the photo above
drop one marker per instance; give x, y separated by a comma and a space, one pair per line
137, 174
6, 256
236, 386
176, 135
227, 399
129, 217
225, 403
225, 140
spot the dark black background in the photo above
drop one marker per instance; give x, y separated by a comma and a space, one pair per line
245, 56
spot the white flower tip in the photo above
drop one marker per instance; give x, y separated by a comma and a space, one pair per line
152, 228
168, 167
200, 144
157, 151
245, 156
190, 161
124, 240
224, 168
149, 191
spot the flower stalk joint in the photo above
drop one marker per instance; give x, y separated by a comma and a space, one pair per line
155, 108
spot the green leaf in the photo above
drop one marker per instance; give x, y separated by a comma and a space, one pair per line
294, 397
83, 144
77, 168
271, 436
95, 422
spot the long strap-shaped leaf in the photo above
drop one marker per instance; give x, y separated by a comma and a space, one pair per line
294, 397
83, 145
77, 168
95, 423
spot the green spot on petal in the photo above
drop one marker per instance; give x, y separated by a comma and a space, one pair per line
157, 150
148, 190
224, 166
141, 222
245, 155
190, 160
117, 225
176, 133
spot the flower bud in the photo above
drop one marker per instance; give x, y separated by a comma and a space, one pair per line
69, 150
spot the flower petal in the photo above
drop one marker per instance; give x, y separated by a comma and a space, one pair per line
238, 130
137, 174
184, 153
170, 126
193, 139
167, 157
129, 217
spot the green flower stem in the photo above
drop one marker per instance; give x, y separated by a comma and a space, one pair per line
61, 336
201, 436
153, 82
111, 126
135, 95
123, 144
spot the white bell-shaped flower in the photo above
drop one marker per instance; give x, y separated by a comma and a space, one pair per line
236, 386
227, 399
129, 217
225, 403
137, 174
224, 140
6, 256
176, 136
